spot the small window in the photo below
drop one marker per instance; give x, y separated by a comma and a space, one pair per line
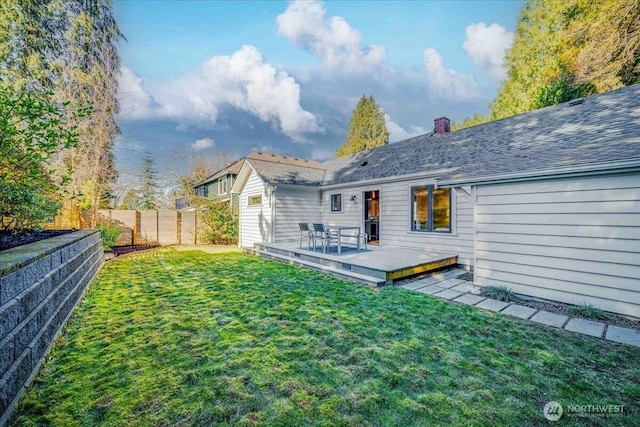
336, 203
431, 209
255, 200
222, 186
202, 191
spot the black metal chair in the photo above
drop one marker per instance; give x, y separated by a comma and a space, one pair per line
305, 231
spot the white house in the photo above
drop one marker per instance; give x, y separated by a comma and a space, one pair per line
547, 202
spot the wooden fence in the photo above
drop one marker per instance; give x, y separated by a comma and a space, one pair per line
162, 226
138, 227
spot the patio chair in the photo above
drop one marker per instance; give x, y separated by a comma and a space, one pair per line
305, 231
323, 233
364, 238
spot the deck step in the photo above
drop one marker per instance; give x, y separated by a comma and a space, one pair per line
324, 259
322, 268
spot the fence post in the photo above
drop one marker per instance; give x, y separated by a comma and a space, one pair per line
179, 227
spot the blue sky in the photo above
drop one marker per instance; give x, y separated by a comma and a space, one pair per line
224, 78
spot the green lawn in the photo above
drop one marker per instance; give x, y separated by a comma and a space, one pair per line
187, 338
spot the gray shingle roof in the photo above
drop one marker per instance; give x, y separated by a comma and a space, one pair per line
234, 168
604, 128
283, 173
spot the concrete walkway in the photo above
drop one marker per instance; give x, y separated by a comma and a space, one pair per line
445, 286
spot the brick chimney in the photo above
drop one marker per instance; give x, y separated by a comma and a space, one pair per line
441, 125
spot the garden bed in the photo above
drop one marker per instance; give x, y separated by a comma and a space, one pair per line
10, 240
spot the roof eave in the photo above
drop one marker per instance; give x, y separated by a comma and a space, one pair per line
224, 171
394, 178
604, 168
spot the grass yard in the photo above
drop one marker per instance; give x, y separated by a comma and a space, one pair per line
187, 338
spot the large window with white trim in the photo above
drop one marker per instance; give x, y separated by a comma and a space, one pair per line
431, 209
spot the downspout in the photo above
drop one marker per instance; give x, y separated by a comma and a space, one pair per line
474, 205
239, 219
272, 200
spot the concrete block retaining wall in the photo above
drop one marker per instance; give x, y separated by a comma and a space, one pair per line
40, 286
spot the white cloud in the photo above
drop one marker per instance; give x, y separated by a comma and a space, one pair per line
398, 133
242, 80
320, 154
134, 100
329, 38
487, 48
445, 83
203, 144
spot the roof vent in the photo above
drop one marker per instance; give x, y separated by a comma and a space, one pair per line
365, 163
575, 102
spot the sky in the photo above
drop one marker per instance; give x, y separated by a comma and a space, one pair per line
225, 78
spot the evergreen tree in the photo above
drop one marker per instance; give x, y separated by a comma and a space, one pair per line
149, 190
130, 200
535, 60
367, 128
566, 49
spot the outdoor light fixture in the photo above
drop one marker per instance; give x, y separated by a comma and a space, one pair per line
353, 198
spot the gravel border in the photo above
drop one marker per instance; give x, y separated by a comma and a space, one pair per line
551, 306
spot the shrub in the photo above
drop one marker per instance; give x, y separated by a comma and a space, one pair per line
109, 236
32, 131
501, 293
217, 224
24, 206
589, 311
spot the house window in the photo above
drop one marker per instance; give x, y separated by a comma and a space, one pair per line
222, 186
202, 191
255, 200
431, 209
336, 202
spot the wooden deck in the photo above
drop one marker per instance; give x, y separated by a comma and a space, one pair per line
375, 266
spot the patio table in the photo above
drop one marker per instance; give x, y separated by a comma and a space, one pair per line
340, 229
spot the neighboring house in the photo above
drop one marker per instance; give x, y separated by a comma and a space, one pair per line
546, 203
218, 186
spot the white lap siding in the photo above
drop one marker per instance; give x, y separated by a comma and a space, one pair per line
294, 205
574, 240
255, 221
395, 218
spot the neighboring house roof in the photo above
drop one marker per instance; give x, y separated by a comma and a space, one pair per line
233, 168
603, 128
589, 134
